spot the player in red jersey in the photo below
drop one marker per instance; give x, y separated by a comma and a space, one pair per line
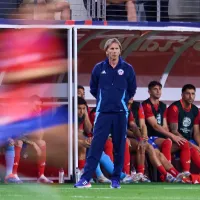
183, 119
159, 135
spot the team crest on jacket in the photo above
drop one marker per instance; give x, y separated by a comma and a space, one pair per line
120, 71
186, 121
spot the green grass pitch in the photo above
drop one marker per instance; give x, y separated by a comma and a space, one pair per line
151, 191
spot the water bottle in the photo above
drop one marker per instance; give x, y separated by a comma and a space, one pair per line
77, 174
61, 175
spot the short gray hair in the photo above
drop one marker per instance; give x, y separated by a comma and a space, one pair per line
111, 41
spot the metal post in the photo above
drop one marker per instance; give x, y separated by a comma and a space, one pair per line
104, 9
93, 9
158, 10
88, 8
70, 104
75, 100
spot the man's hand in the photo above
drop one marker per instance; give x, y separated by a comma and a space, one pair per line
142, 146
87, 142
178, 140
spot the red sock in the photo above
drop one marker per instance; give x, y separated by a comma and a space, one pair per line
108, 149
195, 156
140, 169
17, 159
185, 156
173, 172
162, 170
41, 161
126, 168
166, 149
81, 164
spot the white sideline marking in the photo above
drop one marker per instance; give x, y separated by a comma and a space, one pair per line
181, 188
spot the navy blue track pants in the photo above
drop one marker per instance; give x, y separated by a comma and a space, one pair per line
106, 123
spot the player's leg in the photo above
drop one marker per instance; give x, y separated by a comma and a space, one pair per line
108, 165
101, 131
126, 167
140, 160
13, 178
42, 162
156, 162
9, 158
195, 154
166, 164
184, 156
165, 146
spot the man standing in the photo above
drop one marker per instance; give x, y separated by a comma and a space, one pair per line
183, 119
112, 83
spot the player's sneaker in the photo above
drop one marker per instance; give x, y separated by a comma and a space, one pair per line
115, 184
182, 176
142, 178
169, 178
44, 179
128, 179
103, 179
83, 184
11, 178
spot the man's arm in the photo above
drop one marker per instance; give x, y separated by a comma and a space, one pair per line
134, 131
87, 124
94, 81
174, 129
131, 11
197, 134
131, 83
153, 122
143, 128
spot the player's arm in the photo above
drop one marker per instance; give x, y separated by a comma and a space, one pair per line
197, 134
143, 128
134, 131
94, 81
172, 118
153, 122
87, 124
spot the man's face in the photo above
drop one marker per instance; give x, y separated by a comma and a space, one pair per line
81, 110
113, 51
155, 92
188, 96
81, 93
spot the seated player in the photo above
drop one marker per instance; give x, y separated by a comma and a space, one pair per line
137, 134
158, 133
35, 140
183, 120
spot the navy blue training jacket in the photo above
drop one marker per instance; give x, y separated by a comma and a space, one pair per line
113, 87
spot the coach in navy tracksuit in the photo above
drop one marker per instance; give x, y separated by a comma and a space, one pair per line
112, 83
